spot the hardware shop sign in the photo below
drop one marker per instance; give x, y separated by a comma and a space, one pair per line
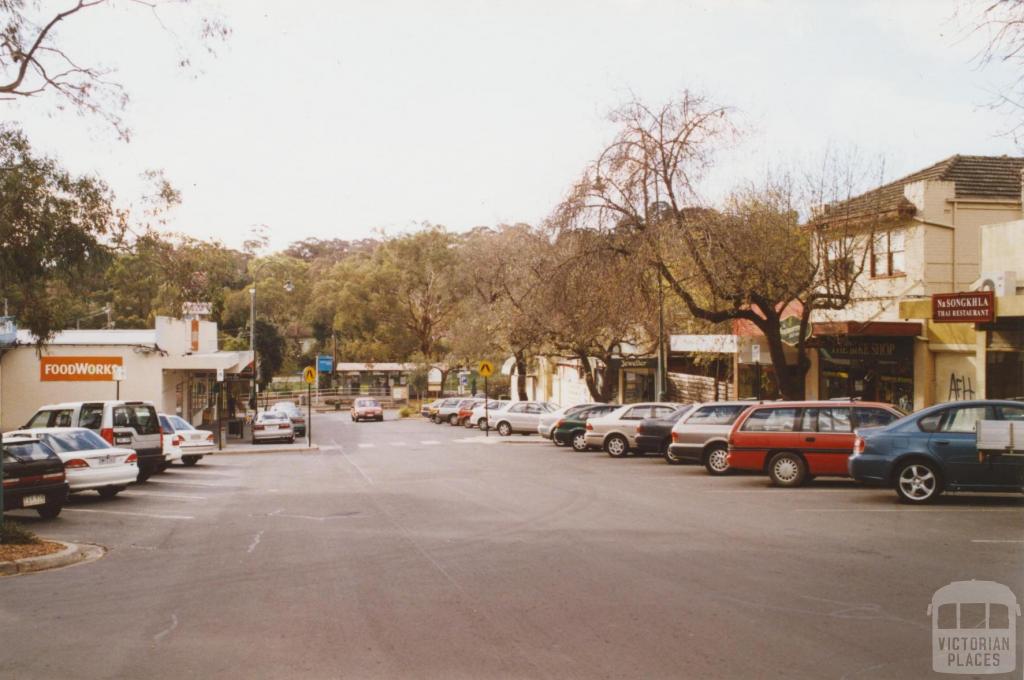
974, 307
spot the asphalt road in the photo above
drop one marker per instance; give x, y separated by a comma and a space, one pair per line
405, 549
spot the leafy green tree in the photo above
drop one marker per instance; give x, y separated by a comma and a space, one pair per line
53, 228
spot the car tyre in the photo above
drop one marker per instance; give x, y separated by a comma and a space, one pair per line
616, 446
50, 510
453, 419
109, 492
671, 458
482, 423
787, 469
504, 429
716, 461
918, 482
291, 440
579, 441
190, 460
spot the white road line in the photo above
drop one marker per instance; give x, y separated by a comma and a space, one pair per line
159, 494
255, 542
996, 540
164, 632
367, 446
132, 514
429, 442
396, 443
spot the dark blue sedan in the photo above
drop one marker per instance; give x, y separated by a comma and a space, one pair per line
936, 450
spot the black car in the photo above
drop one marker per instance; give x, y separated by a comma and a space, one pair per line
653, 435
33, 478
294, 414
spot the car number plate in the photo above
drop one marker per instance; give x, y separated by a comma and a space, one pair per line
122, 439
35, 499
283, 427
106, 460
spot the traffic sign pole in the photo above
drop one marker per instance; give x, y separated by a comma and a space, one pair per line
487, 411
309, 374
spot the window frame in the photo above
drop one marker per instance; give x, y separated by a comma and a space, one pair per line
891, 255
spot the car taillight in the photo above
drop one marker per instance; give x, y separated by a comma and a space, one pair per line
11, 481
858, 445
55, 475
132, 458
639, 429
108, 434
589, 426
675, 437
75, 463
209, 437
559, 424
258, 427
299, 420
176, 440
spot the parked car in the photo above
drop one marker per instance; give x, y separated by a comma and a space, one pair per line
131, 424
702, 435
448, 411
479, 417
653, 435
616, 431
89, 461
364, 408
547, 422
298, 417
33, 477
466, 411
936, 450
183, 442
519, 416
572, 430
435, 409
425, 410
272, 425
794, 441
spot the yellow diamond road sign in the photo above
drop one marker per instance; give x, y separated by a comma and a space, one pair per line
485, 369
309, 375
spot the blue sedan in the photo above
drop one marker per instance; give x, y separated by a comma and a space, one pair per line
936, 450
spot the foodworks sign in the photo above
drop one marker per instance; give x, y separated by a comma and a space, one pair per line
101, 369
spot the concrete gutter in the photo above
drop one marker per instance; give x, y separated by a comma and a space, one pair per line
239, 449
71, 554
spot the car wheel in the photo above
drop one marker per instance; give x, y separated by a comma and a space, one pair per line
482, 423
671, 458
110, 491
579, 442
616, 446
716, 462
504, 429
50, 510
453, 420
787, 469
291, 440
144, 474
557, 442
468, 423
918, 482
190, 460
380, 419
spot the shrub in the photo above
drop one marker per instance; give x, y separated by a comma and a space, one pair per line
405, 412
13, 533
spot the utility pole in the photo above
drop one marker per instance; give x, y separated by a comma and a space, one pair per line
252, 343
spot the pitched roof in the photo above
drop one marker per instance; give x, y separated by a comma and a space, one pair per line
992, 177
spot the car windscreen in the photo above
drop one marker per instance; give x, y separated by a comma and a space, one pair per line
27, 452
180, 424
80, 440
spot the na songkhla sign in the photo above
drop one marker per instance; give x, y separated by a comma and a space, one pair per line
974, 307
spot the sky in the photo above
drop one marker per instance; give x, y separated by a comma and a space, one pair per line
337, 119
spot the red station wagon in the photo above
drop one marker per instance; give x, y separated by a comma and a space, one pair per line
794, 441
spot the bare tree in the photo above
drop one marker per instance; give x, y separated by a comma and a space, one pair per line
751, 259
33, 61
1000, 24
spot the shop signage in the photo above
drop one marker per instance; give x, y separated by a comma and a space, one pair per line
638, 363
974, 307
78, 369
862, 348
8, 331
197, 308
324, 363
789, 330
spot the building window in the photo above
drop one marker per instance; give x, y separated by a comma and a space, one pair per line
887, 253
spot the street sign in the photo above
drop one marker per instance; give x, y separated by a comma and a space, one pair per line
309, 375
755, 353
220, 375
485, 369
119, 373
324, 363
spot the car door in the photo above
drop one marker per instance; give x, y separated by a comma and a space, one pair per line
531, 417
955, 444
516, 414
91, 417
829, 441
1009, 470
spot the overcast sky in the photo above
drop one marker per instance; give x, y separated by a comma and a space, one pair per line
332, 119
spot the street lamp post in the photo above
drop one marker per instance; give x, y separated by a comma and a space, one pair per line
252, 343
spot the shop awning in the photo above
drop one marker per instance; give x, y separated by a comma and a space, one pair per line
886, 329
231, 362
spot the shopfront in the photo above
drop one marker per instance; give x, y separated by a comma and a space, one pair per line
1004, 358
868, 364
637, 379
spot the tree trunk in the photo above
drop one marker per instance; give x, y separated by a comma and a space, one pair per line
789, 378
521, 376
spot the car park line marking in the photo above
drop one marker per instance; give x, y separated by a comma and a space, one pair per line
996, 540
255, 542
367, 446
429, 442
133, 514
396, 443
160, 494
162, 634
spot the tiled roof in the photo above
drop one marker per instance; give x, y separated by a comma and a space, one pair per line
992, 177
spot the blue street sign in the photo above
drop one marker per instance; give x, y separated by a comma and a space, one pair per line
324, 363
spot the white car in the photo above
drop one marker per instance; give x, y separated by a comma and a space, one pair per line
616, 432
479, 417
519, 416
271, 425
89, 461
547, 422
184, 443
